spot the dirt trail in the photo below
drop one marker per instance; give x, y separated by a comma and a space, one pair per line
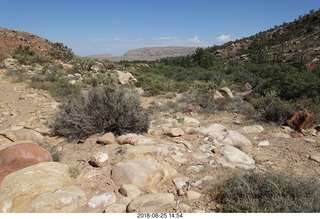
21, 105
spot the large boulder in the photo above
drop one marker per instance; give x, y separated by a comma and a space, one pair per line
174, 132
141, 172
300, 120
217, 95
23, 134
191, 122
21, 155
237, 158
129, 190
158, 202
145, 151
226, 92
252, 129
124, 77
99, 202
213, 131
134, 139
44, 187
234, 138
65, 200
107, 138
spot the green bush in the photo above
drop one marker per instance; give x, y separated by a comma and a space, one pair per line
272, 108
268, 193
17, 75
97, 79
201, 94
62, 88
27, 56
61, 52
102, 110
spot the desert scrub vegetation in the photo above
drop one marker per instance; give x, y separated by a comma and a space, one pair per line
61, 52
26, 56
53, 78
268, 193
103, 109
17, 75
97, 79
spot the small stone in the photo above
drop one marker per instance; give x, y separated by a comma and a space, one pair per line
99, 202
116, 208
174, 132
90, 174
129, 190
191, 195
107, 138
281, 135
315, 157
98, 159
195, 169
158, 202
264, 143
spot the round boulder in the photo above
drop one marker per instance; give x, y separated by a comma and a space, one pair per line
21, 155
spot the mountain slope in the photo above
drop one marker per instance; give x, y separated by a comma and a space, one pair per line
296, 43
10, 40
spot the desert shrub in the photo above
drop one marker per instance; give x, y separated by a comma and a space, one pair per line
268, 193
54, 79
17, 75
52, 150
27, 56
272, 108
103, 109
74, 171
61, 52
62, 88
97, 79
50, 73
152, 84
201, 94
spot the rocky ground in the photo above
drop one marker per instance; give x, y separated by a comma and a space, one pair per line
172, 168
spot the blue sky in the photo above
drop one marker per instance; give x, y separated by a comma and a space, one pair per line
112, 27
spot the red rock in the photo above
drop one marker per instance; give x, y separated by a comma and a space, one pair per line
300, 120
191, 110
174, 132
21, 155
296, 134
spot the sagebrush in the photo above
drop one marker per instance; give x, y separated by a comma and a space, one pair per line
104, 109
268, 193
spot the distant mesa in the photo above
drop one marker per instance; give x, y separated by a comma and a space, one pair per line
102, 56
150, 53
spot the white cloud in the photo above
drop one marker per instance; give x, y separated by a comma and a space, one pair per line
167, 38
223, 38
195, 40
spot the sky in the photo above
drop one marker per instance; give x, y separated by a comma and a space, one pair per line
93, 27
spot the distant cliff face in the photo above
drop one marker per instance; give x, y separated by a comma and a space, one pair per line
11, 39
154, 53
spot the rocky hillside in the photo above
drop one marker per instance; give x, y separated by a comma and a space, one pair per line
10, 40
296, 43
154, 53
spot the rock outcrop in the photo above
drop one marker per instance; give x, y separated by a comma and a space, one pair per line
21, 155
44, 187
